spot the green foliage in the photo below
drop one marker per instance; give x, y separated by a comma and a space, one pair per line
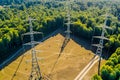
110, 63
117, 51
81, 29
14, 22
119, 59
86, 17
96, 77
114, 60
113, 43
111, 70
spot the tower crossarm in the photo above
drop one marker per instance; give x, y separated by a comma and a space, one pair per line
106, 27
68, 31
101, 37
32, 42
98, 45
68, 23
33, 32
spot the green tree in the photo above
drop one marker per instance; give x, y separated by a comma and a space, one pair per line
96, 77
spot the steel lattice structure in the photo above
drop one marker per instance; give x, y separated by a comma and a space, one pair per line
35, 71
68, 8
100, 45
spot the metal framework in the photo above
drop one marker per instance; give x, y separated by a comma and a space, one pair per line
100, 45
68, 22
67, 37
35, 71
68, 8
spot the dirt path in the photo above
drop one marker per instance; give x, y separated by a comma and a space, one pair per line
87, 68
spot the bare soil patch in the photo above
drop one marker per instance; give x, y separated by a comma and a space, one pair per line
73, 59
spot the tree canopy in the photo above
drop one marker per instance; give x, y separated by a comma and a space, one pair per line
87, 16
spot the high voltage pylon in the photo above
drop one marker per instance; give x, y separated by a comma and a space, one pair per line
35, 71
67, 37
100, 45
67, 23
68, 8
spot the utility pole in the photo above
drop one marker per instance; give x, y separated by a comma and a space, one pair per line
100, 45
35, 71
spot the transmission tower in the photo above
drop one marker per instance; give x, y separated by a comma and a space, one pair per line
35, 71
68, 8
68, 22
100, 45
67, 37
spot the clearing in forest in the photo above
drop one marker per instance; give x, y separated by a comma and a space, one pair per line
72, 60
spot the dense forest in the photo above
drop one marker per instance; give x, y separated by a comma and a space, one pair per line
86, 17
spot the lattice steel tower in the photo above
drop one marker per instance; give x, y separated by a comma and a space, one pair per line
100, 45
35, 71
68, 8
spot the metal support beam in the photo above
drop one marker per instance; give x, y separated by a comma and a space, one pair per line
68, 8
35, 71
100, 45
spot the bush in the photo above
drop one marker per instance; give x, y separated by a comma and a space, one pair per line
96, 77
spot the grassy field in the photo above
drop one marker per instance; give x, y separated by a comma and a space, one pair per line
73, 59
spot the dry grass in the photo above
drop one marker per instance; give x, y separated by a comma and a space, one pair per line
73, 59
